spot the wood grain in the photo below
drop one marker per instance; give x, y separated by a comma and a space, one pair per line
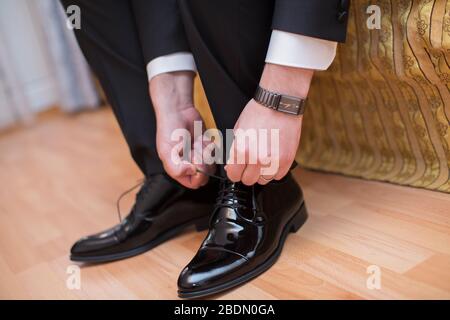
62, 175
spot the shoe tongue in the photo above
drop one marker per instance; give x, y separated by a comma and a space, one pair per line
155, 193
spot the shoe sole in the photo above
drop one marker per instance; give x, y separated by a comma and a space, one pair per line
293, 225
200, 225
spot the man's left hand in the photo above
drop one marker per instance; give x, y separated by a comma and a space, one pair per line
280, 79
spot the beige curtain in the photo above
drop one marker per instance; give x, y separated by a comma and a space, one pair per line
41, 64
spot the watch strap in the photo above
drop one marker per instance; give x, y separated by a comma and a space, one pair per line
280, 102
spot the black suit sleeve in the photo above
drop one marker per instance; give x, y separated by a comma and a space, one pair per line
324, 19
160, 28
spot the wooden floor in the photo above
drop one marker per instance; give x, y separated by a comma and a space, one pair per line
60, 180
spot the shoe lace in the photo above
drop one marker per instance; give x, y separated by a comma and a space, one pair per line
144, 183
230, 194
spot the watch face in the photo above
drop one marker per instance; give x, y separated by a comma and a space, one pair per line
289, 105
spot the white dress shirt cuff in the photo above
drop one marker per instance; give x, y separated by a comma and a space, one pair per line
296, 50
178, 61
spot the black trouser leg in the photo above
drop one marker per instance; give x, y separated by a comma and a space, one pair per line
110, 42
229, 40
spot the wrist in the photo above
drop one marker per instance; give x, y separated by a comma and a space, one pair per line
286, 80
172, 91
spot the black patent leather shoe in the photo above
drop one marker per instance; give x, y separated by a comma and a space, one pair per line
247, 232
163, 208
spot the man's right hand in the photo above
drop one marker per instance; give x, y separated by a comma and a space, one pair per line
172, 97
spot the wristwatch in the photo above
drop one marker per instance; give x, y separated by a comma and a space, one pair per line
280, 102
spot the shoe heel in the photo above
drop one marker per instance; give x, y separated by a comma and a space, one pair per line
299, 219
202, 224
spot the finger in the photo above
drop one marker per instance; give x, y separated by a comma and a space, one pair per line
177, 168
208, 155
251, 174
263, 180
171, 157
235, 170
266, 172
190, 178
197, 153
176, 171
186, 182
198, 180
284, 169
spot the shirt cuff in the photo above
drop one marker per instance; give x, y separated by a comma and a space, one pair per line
295, 50
178, 61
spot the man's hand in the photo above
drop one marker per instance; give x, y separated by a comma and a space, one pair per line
284, 80
172, 97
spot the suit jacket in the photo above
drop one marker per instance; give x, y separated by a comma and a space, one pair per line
161, 29
324, 19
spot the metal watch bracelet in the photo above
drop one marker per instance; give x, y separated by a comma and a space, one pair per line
280, 102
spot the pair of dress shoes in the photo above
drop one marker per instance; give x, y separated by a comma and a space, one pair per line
247, 229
